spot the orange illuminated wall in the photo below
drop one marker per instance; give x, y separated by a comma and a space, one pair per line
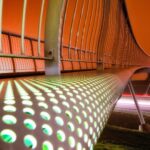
80, 35
139, 12
11, 23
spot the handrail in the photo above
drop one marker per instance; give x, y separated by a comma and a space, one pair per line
19, 36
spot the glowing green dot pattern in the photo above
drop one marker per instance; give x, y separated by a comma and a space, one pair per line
56, 113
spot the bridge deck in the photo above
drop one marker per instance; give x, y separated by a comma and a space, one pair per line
58, 112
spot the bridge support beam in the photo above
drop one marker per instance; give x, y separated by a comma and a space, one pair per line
143, 126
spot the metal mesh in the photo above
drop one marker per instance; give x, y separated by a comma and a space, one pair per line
49, 113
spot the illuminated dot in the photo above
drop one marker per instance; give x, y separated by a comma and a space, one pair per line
79, 146
75, 91
91, 119
25, 97
79, 97
78, 119
79, 132
28, 111
51, 94
66, 104
69, 94
71, 142
54, 100
43, 105
91, 131
76, 109
63, 97
37, 93
61, 136
40, 98
60, 148
86, 126
70, 126
9, 108
89, 143
30, 141
30, 124
68, 114
59, 121
9, 98
59, 92
56, 109
83, 106
47, 146
8, 136
73, 100
84, 114
9, 119
83, 94
45, 115
85, 138
9, 102
47, 129
27, 103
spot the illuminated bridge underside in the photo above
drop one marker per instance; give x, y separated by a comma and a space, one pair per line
47, 113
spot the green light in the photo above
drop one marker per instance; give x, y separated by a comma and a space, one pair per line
30, 124
61, 136
47, 129
31, 88
1, 85
8, 136
9, 108
76, 109
30, 141
70, 126
85, 138
71, 142
54, 100
45, 115
79, 132
59, 121
47, 146
25, 97
51, 94
56, 109
43, 105
63, 97
20, 89
9, 91
66, 104
38, 86
40, 98
28, 111
86, 126
27, 102
69, 94
9, 102
9, 119
68, 114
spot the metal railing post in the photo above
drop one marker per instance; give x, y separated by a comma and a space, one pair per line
1, 17
23, 27
40, 27
141, 117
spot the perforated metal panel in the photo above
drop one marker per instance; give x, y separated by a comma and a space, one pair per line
47, 113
